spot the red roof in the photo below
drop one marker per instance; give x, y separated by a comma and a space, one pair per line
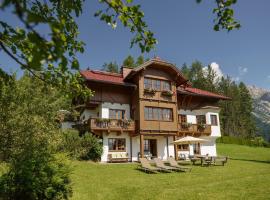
114, 78
200, 92
96, 75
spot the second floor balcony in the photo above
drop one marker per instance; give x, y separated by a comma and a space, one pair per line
118, 125
194, 129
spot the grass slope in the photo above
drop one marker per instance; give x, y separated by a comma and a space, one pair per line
246, 176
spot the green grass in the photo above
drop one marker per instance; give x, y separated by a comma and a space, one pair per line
246, 176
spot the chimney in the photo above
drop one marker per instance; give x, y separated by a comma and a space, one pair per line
126, 70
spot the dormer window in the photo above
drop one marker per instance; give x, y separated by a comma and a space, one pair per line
157, 84
166, 86
147, 83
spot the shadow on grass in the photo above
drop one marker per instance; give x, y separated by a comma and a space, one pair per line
250, 160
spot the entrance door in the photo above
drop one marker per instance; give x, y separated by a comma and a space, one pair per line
150, 147
196, 148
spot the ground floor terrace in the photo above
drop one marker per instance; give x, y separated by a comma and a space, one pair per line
124, 147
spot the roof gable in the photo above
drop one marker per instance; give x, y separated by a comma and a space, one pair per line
158, 63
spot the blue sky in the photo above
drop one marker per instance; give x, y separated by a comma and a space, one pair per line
184, 32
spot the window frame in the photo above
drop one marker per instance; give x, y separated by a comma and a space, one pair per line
200, 116
216, 120
147, 81
169, 84
117, 112
181, 147
181, 117
117, 149
151, 83
158, 114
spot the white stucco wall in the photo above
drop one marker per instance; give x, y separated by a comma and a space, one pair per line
135, 147
106, 106
66, 125
104, 157
209, 147
86, 114
191, 118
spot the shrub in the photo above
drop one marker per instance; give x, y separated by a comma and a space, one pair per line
92, 148
33, 175
86, 147
71, 143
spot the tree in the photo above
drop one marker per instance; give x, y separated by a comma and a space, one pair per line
247, 122
235, 115
111, 67
129, 62
140, 60
29, 136
51, 56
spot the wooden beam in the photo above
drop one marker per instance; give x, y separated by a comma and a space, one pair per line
142, 145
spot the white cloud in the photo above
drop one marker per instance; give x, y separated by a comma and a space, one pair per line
242, 70
216, 68
236, 79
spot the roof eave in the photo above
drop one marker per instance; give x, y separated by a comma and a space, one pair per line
110, 82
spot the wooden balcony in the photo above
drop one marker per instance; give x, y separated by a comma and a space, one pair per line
117, 125
194, 130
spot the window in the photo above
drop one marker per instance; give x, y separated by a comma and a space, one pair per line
116, 114
153, 113
147, 83
157, 84
150, 83
117, 144
146, 145
201, 119
214, 121
166, 85
183, 147
182, 118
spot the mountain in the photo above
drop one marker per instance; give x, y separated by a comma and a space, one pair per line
261, 104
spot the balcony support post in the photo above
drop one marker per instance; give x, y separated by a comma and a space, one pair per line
142, 145
175, 149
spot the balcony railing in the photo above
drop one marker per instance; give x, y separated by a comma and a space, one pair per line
111, 124
194, 129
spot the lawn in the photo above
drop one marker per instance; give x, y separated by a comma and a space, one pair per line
246, 176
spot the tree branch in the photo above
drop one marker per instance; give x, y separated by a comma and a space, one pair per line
19, 62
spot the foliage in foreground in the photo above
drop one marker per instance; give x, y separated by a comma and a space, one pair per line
29, 136
86, 147
36, 176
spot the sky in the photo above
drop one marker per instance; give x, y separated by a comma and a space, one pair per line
184, 30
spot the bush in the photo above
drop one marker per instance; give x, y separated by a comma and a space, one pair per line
86, 147
257, 141
36, 176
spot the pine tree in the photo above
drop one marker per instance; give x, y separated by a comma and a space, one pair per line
129, 62
140, 60
111, 67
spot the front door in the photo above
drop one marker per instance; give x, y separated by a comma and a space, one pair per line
196, 148
150, 147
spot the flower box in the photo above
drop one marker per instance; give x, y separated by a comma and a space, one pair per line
168, 93
149, 90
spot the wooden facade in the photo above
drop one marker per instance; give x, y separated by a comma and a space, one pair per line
139, 97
